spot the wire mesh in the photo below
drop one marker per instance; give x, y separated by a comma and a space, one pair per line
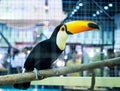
25, 23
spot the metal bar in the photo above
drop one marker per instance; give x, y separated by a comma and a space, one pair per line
102, 9
6, 40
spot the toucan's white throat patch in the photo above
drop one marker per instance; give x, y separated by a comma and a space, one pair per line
61, 39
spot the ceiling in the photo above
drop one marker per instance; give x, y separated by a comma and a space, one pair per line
74, 9
105, 9
22, 13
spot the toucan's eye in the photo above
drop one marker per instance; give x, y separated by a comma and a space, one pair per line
63, 29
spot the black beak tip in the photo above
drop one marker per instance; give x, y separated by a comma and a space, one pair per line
92, 25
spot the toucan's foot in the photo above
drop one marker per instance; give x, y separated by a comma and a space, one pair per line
23, 70
37, 73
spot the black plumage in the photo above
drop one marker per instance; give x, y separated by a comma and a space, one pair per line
41, 56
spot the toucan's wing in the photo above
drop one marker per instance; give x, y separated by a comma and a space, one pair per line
42, 55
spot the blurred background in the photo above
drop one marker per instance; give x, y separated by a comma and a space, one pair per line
24, 23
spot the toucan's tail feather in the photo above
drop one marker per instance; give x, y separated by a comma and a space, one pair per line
23, 86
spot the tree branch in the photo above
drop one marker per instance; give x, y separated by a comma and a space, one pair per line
26, 77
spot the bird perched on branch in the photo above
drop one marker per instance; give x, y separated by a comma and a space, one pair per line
46, 52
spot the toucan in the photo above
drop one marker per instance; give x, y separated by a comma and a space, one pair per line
46, 52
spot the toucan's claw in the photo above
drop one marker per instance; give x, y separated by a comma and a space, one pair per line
37, 73
23, 70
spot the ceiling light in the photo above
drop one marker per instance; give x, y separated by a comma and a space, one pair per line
73, 13
77, 7
106, 7
75, 10
94, 15
97, 12
80, 4
101, 11
110, 4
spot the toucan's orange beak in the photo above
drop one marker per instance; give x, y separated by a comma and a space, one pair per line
78, 26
